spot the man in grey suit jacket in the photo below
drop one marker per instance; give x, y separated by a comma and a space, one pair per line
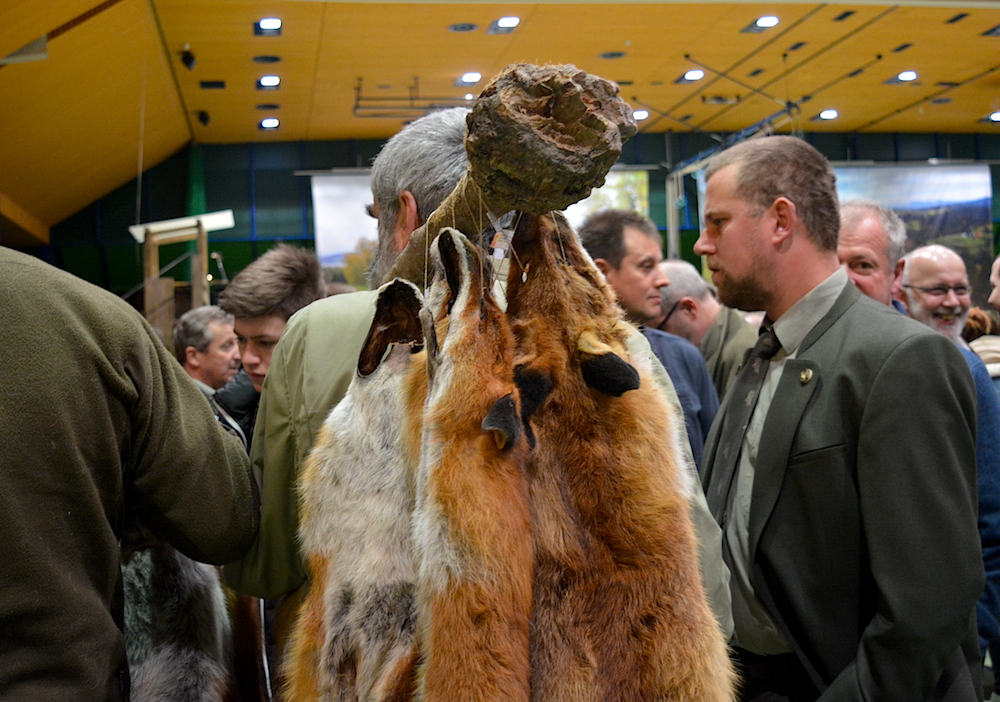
848, 503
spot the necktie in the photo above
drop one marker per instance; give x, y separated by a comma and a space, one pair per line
743, 399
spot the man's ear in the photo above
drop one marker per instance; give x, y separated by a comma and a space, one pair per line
896, 291
690, 306
191, 357
407, 219
603, 266
785, 218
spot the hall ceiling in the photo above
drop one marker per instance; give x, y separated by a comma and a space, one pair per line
114, 95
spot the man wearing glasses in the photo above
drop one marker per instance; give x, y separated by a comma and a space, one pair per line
935, 290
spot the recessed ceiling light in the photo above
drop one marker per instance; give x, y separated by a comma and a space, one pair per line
828, 114
268, 106
640, 115
504, 25
469, 78
843, 15
995, 32
694, 74
462, 27
470, 96
268, 83
269, 123
613, 55
760, 24
212, 84
907, 76
266, 59
995, 117
268, 27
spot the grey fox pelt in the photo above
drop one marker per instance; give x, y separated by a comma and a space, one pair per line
181, 639
354, 638
619, 610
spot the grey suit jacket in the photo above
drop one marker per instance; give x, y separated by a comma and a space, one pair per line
863, 535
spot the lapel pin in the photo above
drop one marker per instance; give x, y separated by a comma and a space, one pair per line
805, 376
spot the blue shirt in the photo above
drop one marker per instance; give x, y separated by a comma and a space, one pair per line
695, 390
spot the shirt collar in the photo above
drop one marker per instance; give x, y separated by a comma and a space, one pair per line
793, 326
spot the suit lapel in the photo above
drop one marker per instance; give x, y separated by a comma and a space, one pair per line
717, 487
799, 381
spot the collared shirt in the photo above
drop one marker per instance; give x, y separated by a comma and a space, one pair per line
755, 631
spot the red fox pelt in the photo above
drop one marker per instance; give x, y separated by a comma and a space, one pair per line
472, 521
354, 636
619, 610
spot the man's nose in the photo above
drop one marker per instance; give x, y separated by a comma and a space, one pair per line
660, 278
701, 246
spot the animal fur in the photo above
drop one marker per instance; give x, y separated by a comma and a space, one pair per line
472, 521
619, 610
354, 637
179, 632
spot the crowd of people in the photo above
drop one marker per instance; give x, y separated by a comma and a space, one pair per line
847, 510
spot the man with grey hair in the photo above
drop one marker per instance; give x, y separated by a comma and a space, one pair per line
691, 311
872, 241
312, 366
841, 466
205, 344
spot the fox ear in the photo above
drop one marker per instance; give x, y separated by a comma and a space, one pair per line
610, 373
503, 422
396, 322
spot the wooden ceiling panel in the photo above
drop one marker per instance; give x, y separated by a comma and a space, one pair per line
77, 114
24, 21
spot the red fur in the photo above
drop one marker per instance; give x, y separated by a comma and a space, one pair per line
474, 614
619, 610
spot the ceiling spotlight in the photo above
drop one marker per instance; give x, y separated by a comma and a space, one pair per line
268, 83
995, 117
462, 27
187, 58
640, 115
268, 27
694, 74
907, 76
203, 117
760, 24
470, 96
470, 78
828, 114
269, 123
504, 25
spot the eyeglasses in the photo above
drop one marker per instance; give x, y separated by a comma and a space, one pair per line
660, 326
941, 290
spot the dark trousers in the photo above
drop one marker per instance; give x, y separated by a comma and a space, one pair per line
773, 678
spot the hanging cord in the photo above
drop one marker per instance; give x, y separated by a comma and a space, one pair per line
142, 135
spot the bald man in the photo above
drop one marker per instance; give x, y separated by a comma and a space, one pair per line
934, 287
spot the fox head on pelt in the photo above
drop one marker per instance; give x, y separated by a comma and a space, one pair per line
469, 342
557, 299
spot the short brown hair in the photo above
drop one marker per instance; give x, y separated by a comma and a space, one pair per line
281, 282
786, 166
603, 233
